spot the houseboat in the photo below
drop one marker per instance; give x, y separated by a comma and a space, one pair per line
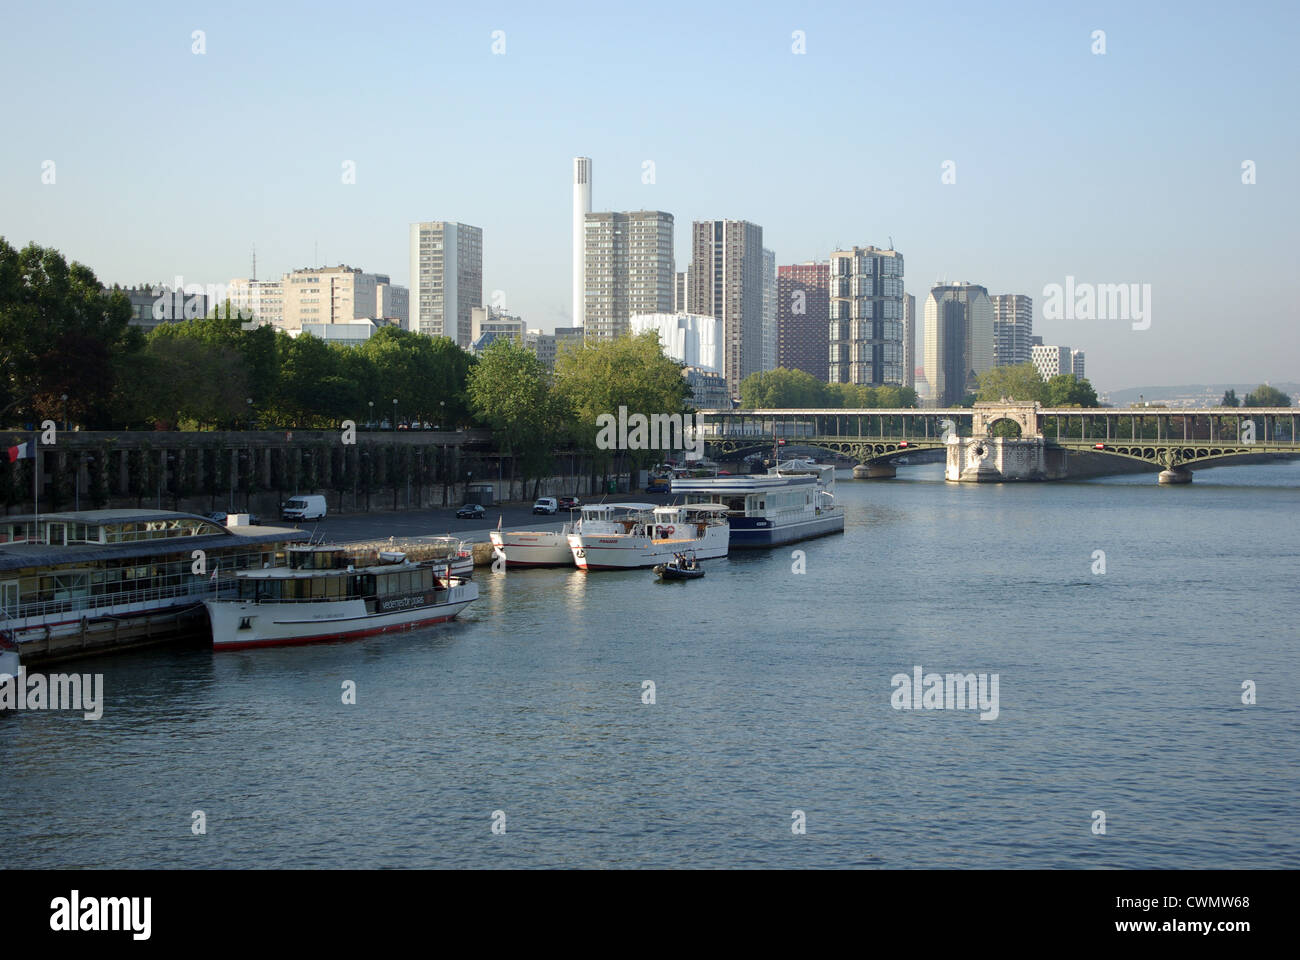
336, 593
74, 584
794, 500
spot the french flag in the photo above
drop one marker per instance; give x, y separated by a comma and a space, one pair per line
23, 451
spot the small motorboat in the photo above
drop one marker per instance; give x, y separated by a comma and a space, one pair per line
680, 567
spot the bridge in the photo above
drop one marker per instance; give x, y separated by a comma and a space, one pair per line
1010, 440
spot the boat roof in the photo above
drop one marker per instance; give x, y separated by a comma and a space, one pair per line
606, 507
290, 573
24, 554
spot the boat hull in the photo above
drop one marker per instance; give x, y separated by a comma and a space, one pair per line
245, 625
533, 549
753, 533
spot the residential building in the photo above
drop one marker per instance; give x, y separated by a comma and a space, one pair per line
865, 331
802, 314
769, 309
491, 320
446, 279
909, 341
726, 281
679, 291
628, 271
958, 340
339, 294
1013, 329
1050, 360
263, 299
1077, 363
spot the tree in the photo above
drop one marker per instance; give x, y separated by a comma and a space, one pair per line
509, 389
787, 389
1020, 382
1230, 399
1067, 390
1266, 396
58, 330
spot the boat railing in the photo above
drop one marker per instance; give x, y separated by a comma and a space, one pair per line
198, 589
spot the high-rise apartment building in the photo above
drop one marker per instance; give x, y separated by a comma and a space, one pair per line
726, 281
958, 340
865, 331
628, 271
1076, 363
1013, 329
263, 299
1049, 360
909, 341
802, 313
446, 279
679, 291
769, 309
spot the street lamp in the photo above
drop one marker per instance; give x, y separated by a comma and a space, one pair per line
442, 414
65, 413
250, 413
372, 414
394, 413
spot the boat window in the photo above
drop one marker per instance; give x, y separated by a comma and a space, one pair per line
334, 587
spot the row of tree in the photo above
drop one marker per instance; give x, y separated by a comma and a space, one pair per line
1262, 396
1023, 382
795, 389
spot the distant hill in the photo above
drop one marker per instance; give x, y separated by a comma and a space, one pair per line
1193, 394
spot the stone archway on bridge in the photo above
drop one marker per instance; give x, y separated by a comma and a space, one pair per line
1024, 415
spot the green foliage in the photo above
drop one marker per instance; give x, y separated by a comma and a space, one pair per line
796, 390
1230, 399
1266, 396
510, 390
1067, 390
1020, 382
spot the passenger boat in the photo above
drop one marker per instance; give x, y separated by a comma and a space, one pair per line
794, 500
78, 583
437, 551
631, 535
333, 593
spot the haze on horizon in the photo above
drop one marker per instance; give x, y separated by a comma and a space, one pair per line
1123, 167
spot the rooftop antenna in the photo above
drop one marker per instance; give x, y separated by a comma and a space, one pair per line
891, 243
254, 262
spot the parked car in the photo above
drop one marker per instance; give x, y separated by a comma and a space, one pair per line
546, 505
569, 503
659, 485
471, 511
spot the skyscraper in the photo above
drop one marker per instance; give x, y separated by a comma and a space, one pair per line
802, 312
446, 278
726, 281
865, 332
958, 340
581, 207
909, 341
1013, 328
628, 269
769, 309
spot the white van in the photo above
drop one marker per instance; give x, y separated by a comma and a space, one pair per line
546, 505
311, 507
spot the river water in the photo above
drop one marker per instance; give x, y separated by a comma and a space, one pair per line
1119, 692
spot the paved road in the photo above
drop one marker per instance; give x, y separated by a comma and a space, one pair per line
343, 528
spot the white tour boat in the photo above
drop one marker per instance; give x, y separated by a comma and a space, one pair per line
535, 548
635, 535
333, 593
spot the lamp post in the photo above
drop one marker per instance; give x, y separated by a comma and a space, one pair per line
442, 414
65, 413
250, 413
372, 413
394, 413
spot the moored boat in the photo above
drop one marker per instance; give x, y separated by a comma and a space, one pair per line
330, 593
794, 500
642, 535
534, 548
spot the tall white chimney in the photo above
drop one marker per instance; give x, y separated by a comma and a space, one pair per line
581, 207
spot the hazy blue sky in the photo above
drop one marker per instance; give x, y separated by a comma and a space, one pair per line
1122, 167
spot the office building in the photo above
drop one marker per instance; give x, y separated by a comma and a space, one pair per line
1013, 329
958, 340
909, 341
769, 309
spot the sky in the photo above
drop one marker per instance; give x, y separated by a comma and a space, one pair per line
1117, 167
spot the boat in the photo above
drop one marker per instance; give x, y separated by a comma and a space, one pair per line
680, 567
632, 535
794, 500
336, 593
534, 548
440, 552
79, 583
